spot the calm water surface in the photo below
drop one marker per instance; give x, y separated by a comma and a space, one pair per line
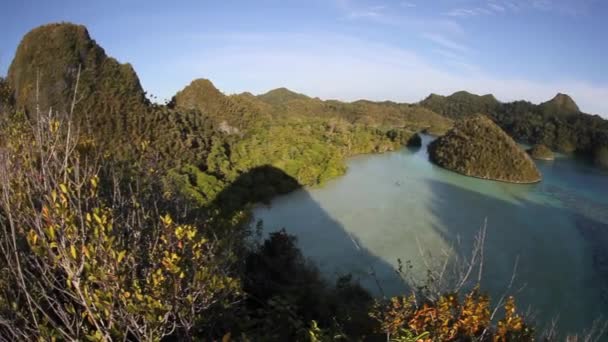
392, 206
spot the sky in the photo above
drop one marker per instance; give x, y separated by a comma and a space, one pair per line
400, 50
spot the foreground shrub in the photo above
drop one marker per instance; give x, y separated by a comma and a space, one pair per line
77, 265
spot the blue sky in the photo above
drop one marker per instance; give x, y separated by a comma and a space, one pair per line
346, 49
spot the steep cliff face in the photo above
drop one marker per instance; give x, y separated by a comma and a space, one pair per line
477, 147
46, 67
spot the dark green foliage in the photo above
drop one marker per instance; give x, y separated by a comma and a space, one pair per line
285, 293
557, 123
404, 138
307, 138
377, 114
477, 147
461, 104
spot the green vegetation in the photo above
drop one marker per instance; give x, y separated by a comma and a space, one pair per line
6, 96
461, 104
307, 138
541, 152
557, 123
231, 114
130, 221
51, 59
477, 147
376, 114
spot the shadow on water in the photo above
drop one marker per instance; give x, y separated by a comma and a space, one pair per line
324, 238
562, 271
275, 271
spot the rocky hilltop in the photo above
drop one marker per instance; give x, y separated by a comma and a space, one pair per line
561, 104
201, 94
45, 70
541, 152
477, 147
281, 96
231, 114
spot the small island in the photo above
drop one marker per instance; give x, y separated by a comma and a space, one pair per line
541, 152
477, 147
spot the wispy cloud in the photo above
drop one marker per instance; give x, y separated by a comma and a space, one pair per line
407, 4
354, 10
567, 7
445, 42
483, 7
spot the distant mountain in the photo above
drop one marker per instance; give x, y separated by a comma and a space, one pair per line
463, 103
45, 69
281, 96
557, 123
460, 104
282, 103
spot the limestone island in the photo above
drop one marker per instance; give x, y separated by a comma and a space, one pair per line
541, 152
477, 147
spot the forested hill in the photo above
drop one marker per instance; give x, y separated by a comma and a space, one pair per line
557, 123
244, 110
52, 59
378, 114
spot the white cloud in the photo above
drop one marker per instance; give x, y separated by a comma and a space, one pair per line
491, 8
333, 66
353, 10
363, 14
